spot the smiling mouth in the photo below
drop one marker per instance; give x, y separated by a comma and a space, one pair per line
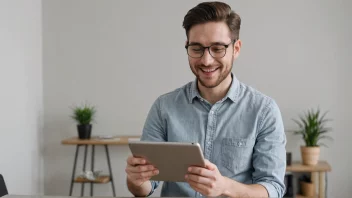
209, 70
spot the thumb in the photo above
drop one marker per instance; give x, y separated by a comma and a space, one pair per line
210, 165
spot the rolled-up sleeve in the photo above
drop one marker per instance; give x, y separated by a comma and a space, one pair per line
269, 154
155, 185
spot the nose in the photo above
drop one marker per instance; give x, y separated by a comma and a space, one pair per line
207, 59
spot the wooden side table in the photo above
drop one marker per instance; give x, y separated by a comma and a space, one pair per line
320, 169
95, 141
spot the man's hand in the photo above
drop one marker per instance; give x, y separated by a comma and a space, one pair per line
138, 171
208, 181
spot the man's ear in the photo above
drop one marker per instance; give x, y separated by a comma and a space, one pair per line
237, 48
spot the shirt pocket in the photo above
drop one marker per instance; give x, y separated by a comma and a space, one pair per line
236, 153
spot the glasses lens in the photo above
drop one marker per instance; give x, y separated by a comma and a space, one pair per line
218, 51
195, 51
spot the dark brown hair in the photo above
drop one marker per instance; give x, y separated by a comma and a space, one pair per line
213, 12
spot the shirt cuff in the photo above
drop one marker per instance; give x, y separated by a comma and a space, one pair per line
270, 188
153, 188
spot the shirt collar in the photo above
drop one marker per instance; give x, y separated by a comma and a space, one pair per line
231, 94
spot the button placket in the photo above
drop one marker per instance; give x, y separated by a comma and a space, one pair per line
210, 131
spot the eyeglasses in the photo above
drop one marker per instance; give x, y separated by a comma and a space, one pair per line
215, 50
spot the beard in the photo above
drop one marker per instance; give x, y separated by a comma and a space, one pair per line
220, 78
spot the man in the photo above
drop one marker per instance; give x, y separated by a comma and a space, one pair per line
239, 129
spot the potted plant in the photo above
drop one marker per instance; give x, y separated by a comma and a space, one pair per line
312, 129
84, 116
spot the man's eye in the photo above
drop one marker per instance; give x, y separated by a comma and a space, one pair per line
218, 49
197, 49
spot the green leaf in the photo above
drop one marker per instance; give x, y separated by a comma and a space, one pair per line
325, 137
298, 123
311, 126
83, 114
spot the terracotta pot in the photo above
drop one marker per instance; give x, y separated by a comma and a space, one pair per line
308, 189
310, 155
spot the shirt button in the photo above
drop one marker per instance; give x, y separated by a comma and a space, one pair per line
239, 143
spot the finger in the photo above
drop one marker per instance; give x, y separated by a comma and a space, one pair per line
210, 165
141, 175
202, 189
133, 161
199, 179
140, 168
201, 171
149, 174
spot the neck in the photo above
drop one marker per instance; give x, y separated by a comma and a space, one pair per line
217, 93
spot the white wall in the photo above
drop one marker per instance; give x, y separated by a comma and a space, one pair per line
21, 125
121, 55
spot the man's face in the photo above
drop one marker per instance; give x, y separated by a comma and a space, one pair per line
212, 71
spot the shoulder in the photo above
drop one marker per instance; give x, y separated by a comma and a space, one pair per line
178, 95
258, 103
172, 101
254, 97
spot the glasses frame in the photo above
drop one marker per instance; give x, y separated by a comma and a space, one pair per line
204, 48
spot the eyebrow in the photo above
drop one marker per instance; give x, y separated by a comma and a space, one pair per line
213, 43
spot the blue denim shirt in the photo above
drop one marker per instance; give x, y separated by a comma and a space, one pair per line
242, 134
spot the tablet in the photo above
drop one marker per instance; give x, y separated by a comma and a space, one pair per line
172, 159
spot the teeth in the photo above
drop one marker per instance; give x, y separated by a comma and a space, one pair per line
208, 70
